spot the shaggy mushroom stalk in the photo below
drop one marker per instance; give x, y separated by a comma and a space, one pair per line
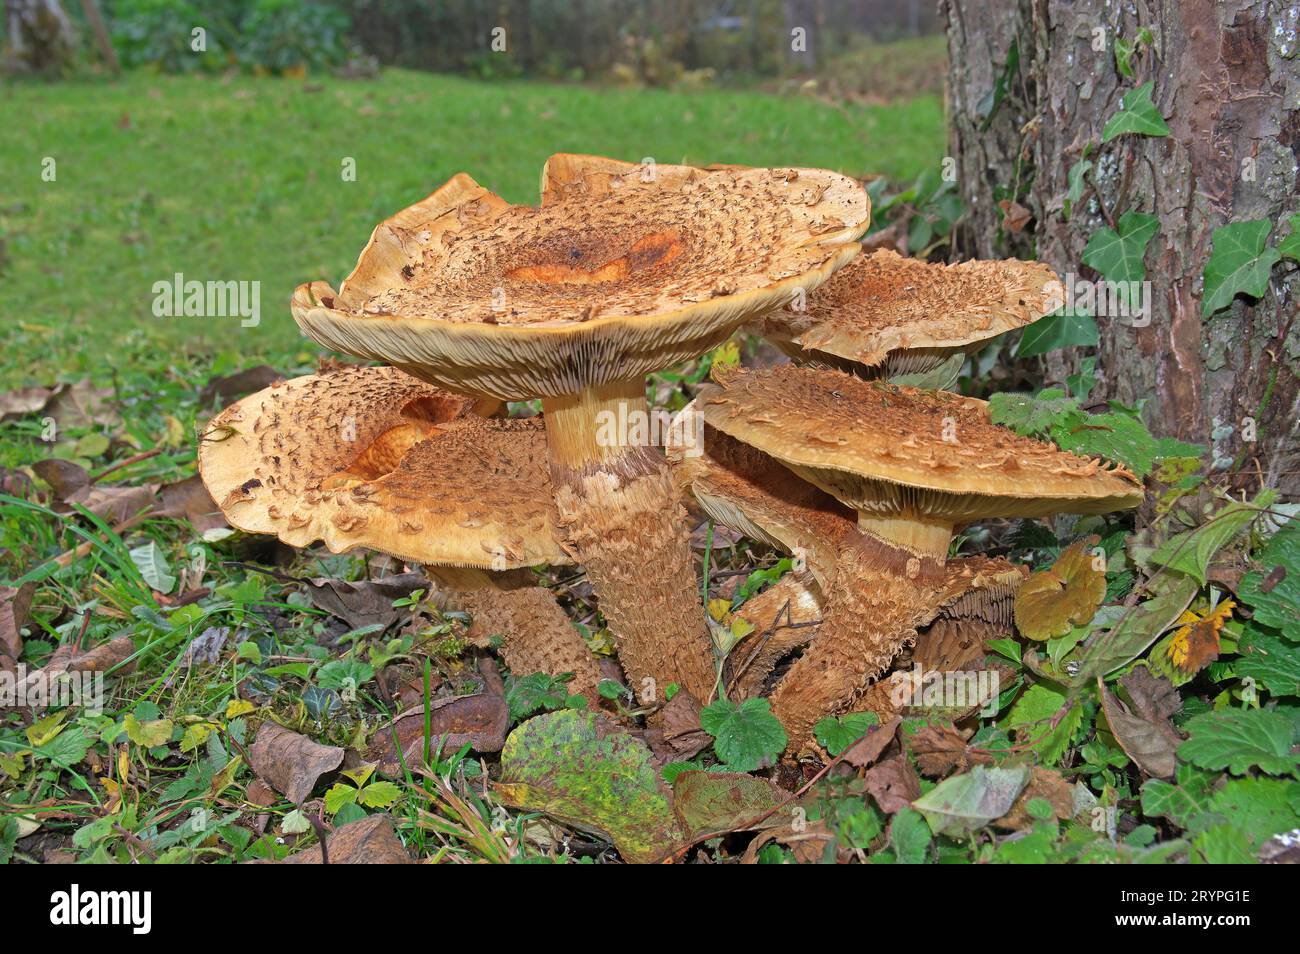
620, 511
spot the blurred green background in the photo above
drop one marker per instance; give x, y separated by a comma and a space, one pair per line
227, 164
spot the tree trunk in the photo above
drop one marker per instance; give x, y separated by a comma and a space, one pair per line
39, 37
1227, 81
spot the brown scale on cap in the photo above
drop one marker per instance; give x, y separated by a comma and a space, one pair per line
623, 271
913, 464
373, 458
884, 315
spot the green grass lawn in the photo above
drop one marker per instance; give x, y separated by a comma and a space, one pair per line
240, 180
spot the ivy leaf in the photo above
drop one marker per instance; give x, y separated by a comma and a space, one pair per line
1065, 329
1289, 247
1241, 739
1170, 801
153, 566
1033, 713
1239, 264
1076, 184
1136, 114
745, 736
1118, 254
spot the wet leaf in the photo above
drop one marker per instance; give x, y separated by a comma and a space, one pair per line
585, 771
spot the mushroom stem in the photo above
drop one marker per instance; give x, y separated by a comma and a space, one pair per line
923, 536
622, 515
536, 634
880, 595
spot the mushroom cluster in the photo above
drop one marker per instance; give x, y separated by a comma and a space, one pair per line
623, 270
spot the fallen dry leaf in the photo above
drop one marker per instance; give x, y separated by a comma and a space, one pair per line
291, 763
867, 749
1014, 215
479, 721
939, 749
893, 784
15, 609
366, 841
1146, 735
64, 477
675, 735
366, 602
1045, 784
83, 405
231, 387
22, 401
189, 499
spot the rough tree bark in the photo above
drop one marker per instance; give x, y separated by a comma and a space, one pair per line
39, 37
1227, 81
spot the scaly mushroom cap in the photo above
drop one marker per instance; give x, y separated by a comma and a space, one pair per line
371, 457
744, 489
884, 306
886, 450
468, 292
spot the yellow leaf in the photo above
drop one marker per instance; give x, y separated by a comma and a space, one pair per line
13, 763
148, 734
44, 730
175, 435
238, 707
195, 736
360, 773
727, 355
719, 609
